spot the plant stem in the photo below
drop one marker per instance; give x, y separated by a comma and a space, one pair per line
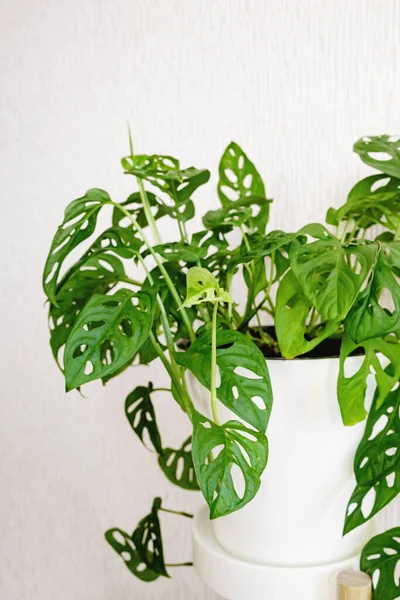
163, 270
187, 564
397, 234
177, 512
147, 211
161, 389
214, 402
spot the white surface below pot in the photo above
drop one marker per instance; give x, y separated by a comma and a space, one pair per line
296, 520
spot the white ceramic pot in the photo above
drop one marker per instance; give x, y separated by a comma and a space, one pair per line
296, 520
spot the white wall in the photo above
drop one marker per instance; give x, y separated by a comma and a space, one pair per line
295, 82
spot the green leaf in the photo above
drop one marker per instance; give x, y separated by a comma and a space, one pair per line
202, 286
219, 448
125, 547
112, 321
78, 224
178, 466
245, 386
377, 462
330, 274
351, 390
175, 251
148, 541
264, 245
371, 316
238, 177
227, 218
291, 314
382, 152
135, 207
140, 413
381, 556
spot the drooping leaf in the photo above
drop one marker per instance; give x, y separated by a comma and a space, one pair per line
330, 274
124, 546
78, 224
202, 286
377, 462
178, 466
382, 152
374, 200
370, 317
113, 321
140, 413
352, 390
245, 387
148, 541
219, 448
291, 314
176, 251
381, 557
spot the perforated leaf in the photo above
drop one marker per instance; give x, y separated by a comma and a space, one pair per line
140, 413
113, 322
202, 286
330, 274
245, 387
377, 462
178, 466
148, 541
78, 224
135, 206
176, 251
381, 152
291, 314
227, 218
370, 316
264, 245
125, 547
380, 558
352, 389
219, 449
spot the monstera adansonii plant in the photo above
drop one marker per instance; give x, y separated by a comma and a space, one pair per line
335, 281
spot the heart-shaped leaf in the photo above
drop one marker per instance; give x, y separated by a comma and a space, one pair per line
142, 417
111, 321
291, 314
377, 462
178, 466
125, 547
370, 316
380, 558
382, 152
78, 224
202, 286
351, 390
219, 451
245, 386
148, 541
330, 274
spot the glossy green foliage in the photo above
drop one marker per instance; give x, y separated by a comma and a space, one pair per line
123, 544
380, 152
352, 389
178, 466
107, 334
380, 559
181, 251
377, 462
331, 275
202, 286
134, 205
229, 460
376, 311
141, 416
245, 387
260, 246
78, 224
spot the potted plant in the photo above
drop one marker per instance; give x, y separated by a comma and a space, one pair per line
276, 477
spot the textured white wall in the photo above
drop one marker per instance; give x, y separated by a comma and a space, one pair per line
294, 82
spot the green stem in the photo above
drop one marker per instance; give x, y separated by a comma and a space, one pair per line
177, 512
131, 281
187, 564
161, 389
214, 403
163, 270
147, 211
397, 234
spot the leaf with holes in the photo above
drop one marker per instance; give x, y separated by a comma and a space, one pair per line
227, 218
291, 315
140, 413
352, 389
330, 274
107, 320
376, 311
124, 545
148, 541
380, 558
135, 206
220, 450
261, 246
175, 251
202, 286
78, 224
374, 200
382, 152
245, 387
377, 463
178, 466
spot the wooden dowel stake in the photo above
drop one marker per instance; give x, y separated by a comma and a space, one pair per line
354, 585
